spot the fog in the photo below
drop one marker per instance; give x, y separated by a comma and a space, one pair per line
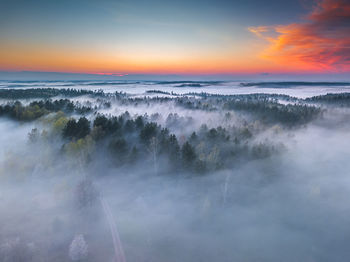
270, 190
137, 88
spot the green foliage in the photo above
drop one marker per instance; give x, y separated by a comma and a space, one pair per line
22, 113
271, 111
205, 151
38, 109
81, 148
129, 140
148, 131
42, 93
76, 130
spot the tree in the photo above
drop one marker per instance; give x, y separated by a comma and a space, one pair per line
174, 151
139, 122
119, 148
103, 125
70, 129
148, 131
78, 249
83, 127
129, 126
188, 155
33, 135
193, 138
75, 129
86, 194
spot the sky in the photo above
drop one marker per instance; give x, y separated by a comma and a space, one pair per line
120, 37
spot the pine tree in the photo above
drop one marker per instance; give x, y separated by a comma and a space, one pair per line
188, 155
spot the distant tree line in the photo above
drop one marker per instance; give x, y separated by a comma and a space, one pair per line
341, 99
270, 111
37, 109
261, 106
45, 93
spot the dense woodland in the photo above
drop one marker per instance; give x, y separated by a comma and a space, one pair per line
126, 139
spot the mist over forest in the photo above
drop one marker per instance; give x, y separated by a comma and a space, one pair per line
174, 171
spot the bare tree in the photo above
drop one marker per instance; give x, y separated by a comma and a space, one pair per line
78, 249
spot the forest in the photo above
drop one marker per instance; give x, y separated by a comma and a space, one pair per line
95, 176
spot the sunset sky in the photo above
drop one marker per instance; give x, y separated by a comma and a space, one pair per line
175, 37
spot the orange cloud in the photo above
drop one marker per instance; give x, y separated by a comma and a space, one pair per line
259, 30
321, 42
110, 74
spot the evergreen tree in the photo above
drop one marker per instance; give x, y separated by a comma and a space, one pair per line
188, 155
70, 129
83, 128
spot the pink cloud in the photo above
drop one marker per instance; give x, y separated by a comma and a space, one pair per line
322, 41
